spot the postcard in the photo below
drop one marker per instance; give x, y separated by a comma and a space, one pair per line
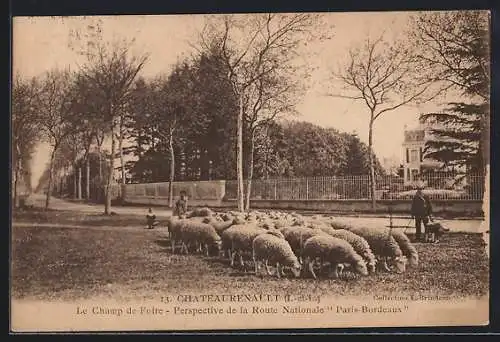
250, 171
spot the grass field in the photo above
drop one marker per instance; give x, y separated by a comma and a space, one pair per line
51, 263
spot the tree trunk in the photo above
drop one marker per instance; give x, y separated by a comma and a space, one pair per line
100, 180
79, 189
372, 164
122, 163
250, 171
107, 205
75, 181
99, 147
239, 155
49, 186
87, 177
16, 183
172, 169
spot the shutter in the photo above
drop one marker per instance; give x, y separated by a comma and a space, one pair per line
407, 155
421, 155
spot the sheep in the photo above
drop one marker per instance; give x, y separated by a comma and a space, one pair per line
266, 224
276, 233
360, 245
409, 251
203, 235
280, 223
333, 250
200, 212
239, 220
227, 217
384, 246
174, 225
339, 224
219, 226
269, 248
296, 237
237, 240
321, 226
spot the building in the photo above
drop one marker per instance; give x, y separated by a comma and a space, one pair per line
414, 162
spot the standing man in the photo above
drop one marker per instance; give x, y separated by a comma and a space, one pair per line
181, 205
421, 210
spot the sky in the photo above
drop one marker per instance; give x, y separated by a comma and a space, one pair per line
42, 43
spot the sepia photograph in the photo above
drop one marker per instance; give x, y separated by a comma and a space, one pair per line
250, 171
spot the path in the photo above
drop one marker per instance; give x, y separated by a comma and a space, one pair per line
60, 204
469, 226
161, 229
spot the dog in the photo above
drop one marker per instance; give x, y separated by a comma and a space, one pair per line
434, 231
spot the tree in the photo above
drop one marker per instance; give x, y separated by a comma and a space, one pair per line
453, 53
457, 141
253, 48
56, 100
382, 76
171, 108
111, 71
301, 149
88, 107
356, 162
25, 131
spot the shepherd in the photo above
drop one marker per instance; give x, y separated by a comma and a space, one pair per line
421, 211
180, 209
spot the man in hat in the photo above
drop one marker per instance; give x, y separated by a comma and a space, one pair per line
421, 210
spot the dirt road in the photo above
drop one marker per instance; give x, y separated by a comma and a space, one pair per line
469, 226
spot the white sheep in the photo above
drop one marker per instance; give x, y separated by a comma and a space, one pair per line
268, 248
202, 235
360, 245
336, 251
384, 246
200, 212
219, 226
237, 241
297, 236
339, 224
408, 249
174, 225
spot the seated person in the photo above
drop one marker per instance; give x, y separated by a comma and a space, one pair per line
151, 219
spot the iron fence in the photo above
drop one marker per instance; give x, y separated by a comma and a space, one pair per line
444, 187
447, 187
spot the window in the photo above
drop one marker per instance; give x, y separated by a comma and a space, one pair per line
414, 174
407, 156
414, 156
421, 155
408, 174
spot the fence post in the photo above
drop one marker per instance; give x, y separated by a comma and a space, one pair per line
307, 189
275, 190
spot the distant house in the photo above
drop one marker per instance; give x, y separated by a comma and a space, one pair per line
414, 161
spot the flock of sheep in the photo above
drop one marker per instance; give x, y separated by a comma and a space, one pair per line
292, 243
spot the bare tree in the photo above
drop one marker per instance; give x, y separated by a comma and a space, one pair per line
381, 75
55, 105
25, 133
453, 52
254, 47
111, 70
268, 98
